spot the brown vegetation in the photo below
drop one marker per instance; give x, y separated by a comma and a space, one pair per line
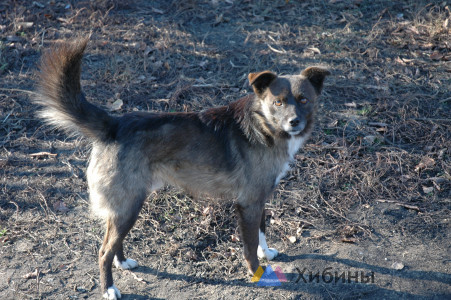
372, 186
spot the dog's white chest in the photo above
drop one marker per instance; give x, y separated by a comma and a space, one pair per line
294, 144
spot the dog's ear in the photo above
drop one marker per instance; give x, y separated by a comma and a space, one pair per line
260, 81
316, 77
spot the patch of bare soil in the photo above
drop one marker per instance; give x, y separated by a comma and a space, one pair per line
365, 212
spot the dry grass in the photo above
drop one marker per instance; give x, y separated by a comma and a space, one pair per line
383, 134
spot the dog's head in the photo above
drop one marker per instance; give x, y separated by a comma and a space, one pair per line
288, 102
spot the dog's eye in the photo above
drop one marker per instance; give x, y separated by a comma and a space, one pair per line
303, 100
278, 103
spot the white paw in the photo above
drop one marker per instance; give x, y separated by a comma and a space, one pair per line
268, 253
126, 264
112, 293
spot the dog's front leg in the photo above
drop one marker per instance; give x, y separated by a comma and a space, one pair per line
249, 217
263, 250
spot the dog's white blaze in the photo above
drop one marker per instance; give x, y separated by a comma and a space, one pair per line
266, 112
294, 144
112, 293
125, 265
263, 251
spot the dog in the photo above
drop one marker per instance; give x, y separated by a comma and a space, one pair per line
239, 151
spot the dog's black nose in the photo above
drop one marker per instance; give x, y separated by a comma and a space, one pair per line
295, 122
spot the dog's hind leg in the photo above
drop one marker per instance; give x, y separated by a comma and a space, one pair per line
249, 218
263, 251
106, 255
117, 227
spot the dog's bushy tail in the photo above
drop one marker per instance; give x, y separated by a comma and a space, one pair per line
59, 94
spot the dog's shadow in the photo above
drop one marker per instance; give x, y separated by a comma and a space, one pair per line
407, 274
295, 284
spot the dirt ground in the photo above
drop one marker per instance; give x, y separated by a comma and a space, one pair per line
366, 206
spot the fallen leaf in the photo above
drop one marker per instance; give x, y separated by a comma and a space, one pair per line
207, 210
436, 55
30, 275
397, 266
234, 238
446, 23
314, 49
140, 79
232, 251
275, 221
64, 20
370, 139
219, 19
116, 105
436, 179
60, 206
426, 45
413, 29
156, 65
425, 163
349, 240
25, 24
148, 50
190, 254
428, 189
400, 61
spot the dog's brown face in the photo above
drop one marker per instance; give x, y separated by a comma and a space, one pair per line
288, 102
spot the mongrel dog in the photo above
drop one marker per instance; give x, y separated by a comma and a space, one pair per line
240, 150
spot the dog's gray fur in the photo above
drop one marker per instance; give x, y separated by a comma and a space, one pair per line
237, 151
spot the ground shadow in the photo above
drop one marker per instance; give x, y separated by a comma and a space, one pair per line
405, 273
295, 284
